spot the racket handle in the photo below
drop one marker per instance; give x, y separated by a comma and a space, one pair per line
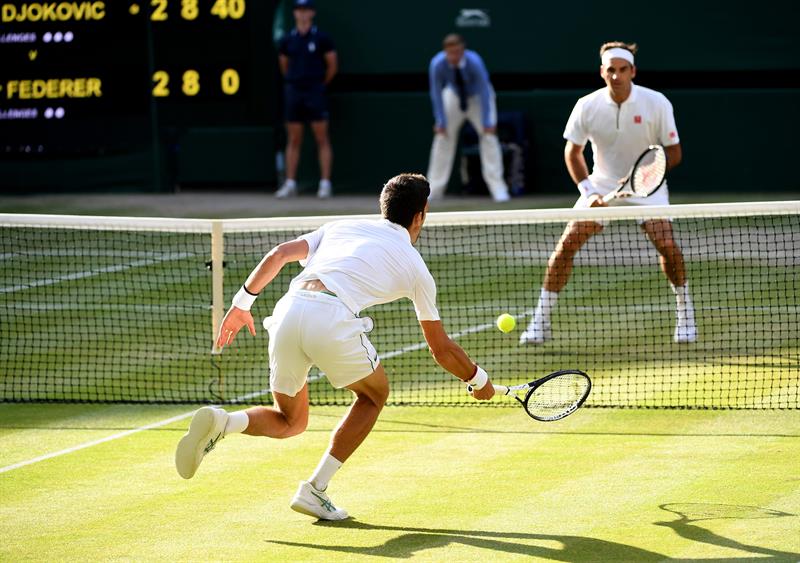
500, 389
608, 197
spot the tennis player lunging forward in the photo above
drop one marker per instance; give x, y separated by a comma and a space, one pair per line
350, 265
621, 121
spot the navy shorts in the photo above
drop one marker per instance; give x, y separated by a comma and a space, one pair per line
305, 104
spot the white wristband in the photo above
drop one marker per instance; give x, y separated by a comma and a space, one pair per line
480, 378
585, 187
243, 299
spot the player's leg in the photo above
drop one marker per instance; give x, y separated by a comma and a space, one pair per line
325, 155
371, 394
491, 154
288, 418
559, 268
672, 264
443, 148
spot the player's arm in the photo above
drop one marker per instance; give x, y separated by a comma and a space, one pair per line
269, 267
452, 357
579, 172
331, 66
674, 156
283, 64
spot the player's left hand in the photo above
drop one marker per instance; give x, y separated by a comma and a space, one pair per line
233, 322
490, 130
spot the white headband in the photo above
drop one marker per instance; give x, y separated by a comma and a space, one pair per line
616, 53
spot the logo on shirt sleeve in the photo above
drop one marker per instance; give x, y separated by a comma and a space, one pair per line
637, 118
672, 134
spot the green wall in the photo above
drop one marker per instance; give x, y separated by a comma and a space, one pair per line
729, 138
543, 37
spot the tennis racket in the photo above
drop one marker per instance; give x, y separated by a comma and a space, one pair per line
646, 176
551, 397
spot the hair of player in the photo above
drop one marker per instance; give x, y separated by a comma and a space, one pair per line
632, 47
453, 40
403, 197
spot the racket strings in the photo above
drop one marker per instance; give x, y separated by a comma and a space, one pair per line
649, 172
558, 396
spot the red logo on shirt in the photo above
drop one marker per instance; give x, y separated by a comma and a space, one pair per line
672, 134
637, 118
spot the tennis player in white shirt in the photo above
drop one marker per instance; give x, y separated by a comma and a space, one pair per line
621, 121
350, 265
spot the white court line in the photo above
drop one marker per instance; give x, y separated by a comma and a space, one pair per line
158, 424
90, 273
411, 348
123, 434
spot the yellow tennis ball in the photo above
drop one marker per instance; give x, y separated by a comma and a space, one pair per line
506, 322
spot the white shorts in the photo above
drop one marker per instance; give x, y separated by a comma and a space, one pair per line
313, 328
661, 197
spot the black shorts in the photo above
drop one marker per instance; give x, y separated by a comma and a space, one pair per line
305, 104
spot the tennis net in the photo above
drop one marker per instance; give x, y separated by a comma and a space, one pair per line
120, 309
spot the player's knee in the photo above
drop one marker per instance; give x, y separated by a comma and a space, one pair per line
295, 424
297, 427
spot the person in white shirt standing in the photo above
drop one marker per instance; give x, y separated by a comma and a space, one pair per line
621, 121
460, 89
350, 265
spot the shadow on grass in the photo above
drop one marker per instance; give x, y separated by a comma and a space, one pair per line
691, 512
415, 539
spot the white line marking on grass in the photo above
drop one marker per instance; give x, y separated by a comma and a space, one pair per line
90, 273
95, 442
122, 434
411, 348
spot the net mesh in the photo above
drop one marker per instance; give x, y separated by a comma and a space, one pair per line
117, 311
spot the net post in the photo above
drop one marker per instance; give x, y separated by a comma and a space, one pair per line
217, 273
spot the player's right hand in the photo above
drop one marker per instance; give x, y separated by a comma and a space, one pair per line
596, 200
484, 393
233, 322
439, 130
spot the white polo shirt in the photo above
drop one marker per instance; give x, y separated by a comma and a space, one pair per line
620, 133
366, 263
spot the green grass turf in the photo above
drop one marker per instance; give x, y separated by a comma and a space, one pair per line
431, 483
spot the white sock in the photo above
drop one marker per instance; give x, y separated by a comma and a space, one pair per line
547, 300
326, 469
289, 183
323, 184
237, 422
684, 306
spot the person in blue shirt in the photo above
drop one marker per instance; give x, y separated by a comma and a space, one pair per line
308, 62
460, 89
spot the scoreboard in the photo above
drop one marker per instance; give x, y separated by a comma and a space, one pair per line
86, 79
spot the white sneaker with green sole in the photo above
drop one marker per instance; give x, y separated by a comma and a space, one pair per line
317, 504
205, 431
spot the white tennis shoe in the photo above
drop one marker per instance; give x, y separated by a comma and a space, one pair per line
538, 332
308, 500
325, 189
685, 332
205, 431
288, 189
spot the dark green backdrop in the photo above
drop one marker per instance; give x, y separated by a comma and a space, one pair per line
731, 70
